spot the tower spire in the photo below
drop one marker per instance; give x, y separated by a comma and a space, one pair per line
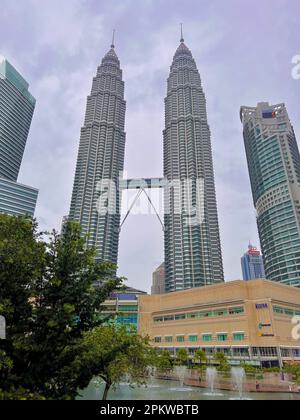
113, 39
182, 39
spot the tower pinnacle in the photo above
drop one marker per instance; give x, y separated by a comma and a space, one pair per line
113, 39
182, 39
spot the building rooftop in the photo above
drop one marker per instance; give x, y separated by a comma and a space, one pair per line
7, 71
224, 292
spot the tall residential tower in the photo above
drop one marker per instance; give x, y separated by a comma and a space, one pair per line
274, 167
193, 256
101, 159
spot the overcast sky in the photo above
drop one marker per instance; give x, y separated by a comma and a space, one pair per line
244, 53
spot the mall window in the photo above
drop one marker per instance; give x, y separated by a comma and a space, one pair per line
221, 312
207, 338
192, 316
159, 319
289, 312
180, 317
169, 318
193, 338
222, 337
180, 339
236, 311
157, 339
278, 310
285, 311
238, 336
128, 308
169, 339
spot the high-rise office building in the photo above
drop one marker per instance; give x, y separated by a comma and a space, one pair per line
193, 256
253, 264
17, 199
159, 281
101, 160
274, 167
16, 111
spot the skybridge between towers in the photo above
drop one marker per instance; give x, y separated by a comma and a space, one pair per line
141, 186
142, 183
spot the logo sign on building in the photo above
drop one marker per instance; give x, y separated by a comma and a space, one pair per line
2, 328
261, 326
266, 335
261, 306
253, 252
269, 114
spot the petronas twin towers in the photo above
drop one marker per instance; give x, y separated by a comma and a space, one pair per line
193, 256
100, 158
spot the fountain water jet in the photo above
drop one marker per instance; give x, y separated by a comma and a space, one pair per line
211, 378
180, 372
125, 380
238, 376
152, 374
211, 375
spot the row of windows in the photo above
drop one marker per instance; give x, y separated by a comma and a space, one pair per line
207, 338
198, 315
285, 311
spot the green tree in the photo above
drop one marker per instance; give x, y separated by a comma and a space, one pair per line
165, 361
112, 352
49, 299
200, 356
182, 357
221, 359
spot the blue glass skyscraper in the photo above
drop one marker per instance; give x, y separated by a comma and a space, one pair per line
253, 264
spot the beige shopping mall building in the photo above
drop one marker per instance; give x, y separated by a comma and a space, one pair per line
250, 321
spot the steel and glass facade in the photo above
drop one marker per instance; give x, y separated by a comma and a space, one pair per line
122, 308
101, 160
17, 199
274, 168
193, 256
16, 111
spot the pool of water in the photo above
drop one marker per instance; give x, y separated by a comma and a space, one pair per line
171, 391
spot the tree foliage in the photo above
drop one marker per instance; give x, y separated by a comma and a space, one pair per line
222, 361
182, 357
49, 299
200, 356
164, 361
113, 352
